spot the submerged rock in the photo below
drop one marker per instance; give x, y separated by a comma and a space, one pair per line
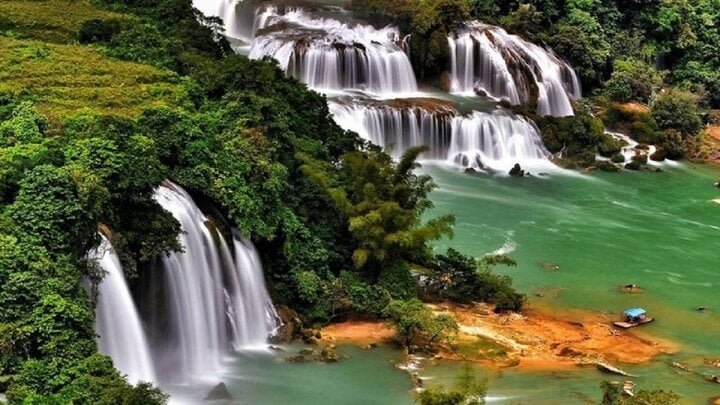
219, 392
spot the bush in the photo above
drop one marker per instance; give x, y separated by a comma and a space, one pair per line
97, 30
468, 390
463, 279
632, 80
414, 321
678, 110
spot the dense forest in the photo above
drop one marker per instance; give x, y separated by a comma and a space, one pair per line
99, 105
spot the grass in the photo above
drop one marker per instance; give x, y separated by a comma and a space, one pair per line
65, 78
55, 21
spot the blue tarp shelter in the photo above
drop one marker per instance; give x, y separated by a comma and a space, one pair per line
634, 313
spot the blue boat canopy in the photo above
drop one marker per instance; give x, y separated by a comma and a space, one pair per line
634, 312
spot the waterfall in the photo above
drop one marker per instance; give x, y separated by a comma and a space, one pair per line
120, 332
487, 59
495, 140
216, 294
330, 55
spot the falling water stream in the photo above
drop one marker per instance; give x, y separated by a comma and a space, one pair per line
120, 331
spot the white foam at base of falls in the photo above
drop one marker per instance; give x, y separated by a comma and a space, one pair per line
120, 332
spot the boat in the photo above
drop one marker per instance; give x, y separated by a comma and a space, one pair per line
633, 317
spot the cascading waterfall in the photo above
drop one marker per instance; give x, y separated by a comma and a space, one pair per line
484, 58
216, 296
330, 55
120, 332
495, 140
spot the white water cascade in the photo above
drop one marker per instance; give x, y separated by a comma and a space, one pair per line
330, 55
495, 140
216, 295
120, 332
242, 19
488, 59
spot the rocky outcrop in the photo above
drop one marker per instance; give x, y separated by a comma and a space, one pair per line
218, 393
291, 325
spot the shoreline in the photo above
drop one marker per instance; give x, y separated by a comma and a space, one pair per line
535, 340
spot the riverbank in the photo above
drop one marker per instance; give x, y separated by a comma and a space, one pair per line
534, 340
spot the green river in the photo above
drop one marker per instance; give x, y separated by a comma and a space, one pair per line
660, 231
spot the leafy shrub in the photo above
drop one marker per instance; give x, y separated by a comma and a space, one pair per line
97, 30
678, 110
632, 80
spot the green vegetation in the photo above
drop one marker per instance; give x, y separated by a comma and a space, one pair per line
468, 390
98, 107
612, 395
416, 325
65, 78
458, 278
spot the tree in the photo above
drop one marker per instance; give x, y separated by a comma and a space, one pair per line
468, 390
384, 202
413, 320
679, 110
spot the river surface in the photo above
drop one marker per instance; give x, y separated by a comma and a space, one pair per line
660, 231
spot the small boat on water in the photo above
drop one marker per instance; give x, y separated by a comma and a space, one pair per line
633, 317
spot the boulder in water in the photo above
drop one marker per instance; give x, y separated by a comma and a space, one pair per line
290, 328
717, 184
328, 355
219, 392
517, 171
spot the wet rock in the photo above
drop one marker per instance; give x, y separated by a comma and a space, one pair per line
713, 378
370, 346
569, 352
631, 289
549, 266
470, 170
517, 171
717, 184
416, 380
291, 325
543, 174
307, 351
276, 348
296, 359
606, 166
219, 392
714, 401
328, 355
446, 81
679, 366
702, 308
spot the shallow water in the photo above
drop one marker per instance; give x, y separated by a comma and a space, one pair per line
363, 377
